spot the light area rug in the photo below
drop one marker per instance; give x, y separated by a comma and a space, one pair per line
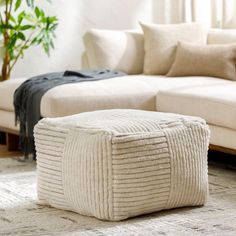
20, 214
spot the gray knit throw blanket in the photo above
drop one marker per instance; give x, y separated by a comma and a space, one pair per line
27, 99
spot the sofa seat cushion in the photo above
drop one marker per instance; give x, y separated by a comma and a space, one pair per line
128, 92
121, 92
136, 92
215, 103
7, 89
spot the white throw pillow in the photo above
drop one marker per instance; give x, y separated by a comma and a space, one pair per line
160, 43
220, 36
116, 50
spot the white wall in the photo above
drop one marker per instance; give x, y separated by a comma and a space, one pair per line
75, 18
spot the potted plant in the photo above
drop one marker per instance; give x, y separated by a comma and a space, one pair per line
22, 25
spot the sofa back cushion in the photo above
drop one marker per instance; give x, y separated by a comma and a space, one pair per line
161, 42
221, 36
116, 50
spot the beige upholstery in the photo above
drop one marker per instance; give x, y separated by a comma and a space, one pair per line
121, 92
136, 92
215, 103
84, 61
219, 36
207, 60
160, 43
117, 164
7, 120
224, 137
117, 50
7, 89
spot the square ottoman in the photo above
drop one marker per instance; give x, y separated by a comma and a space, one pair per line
116, 164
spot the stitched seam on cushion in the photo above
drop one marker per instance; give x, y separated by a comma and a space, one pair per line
168, 146
62, 169
111, 202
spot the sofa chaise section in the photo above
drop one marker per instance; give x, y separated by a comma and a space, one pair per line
216, 104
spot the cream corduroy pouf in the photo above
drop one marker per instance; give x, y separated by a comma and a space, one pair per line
117, 164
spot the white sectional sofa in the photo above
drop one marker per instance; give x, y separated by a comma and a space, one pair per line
211, 98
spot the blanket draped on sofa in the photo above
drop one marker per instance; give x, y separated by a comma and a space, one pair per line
27, 98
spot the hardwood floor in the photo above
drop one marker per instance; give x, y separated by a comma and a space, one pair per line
4, 153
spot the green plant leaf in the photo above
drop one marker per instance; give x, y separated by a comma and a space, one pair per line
26, 27
12, 19
7, 26
37, 12
21, 36
12, 42
20, 17
17, 4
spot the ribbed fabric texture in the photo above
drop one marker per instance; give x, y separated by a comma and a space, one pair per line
116, 164
50, 143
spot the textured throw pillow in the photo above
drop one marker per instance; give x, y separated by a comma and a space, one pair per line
209, 60
116, 50
221, 36
160, 43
